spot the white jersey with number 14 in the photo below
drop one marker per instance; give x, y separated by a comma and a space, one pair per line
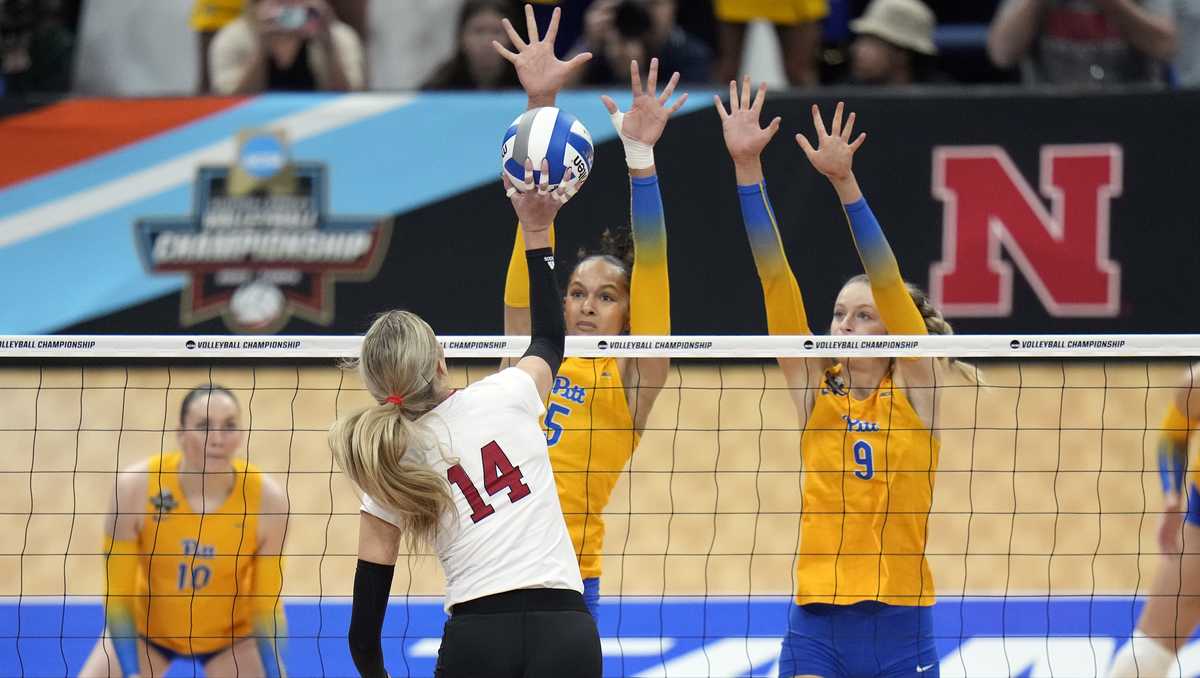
509, 532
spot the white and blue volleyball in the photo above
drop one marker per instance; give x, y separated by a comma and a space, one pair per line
551, 134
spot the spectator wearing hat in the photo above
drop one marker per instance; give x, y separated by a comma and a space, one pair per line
894, 44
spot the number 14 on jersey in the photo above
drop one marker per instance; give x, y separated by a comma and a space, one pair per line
498, 474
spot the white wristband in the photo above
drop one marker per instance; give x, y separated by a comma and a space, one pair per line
638, 156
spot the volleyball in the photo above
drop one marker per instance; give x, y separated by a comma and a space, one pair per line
551, 134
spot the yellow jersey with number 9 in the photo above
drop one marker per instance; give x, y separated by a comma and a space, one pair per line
188, 589
589, 431
869, 470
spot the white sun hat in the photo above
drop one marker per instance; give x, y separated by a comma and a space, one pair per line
904, 23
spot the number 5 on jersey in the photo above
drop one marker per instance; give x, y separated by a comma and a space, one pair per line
498, 474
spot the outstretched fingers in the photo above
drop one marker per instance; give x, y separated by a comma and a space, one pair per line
835, 128
635, 79
720, 108
858, 142
503, 51
531, 23
759, 98
552, 29
652, 77
818, 123
805, 146
848, 130
513, 35
669, 89
678, 104
609, 104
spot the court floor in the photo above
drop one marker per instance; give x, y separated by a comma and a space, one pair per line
1047, 482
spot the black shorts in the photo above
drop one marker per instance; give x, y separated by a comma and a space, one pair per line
529, 633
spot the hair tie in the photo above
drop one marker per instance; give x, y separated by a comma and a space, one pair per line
396, 400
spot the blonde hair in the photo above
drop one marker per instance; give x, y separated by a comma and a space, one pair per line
400, 357
935, 323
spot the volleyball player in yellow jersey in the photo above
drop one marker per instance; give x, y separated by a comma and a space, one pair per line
193, 548
598, 407
1172, 610
870, 441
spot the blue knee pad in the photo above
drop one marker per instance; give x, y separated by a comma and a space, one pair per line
591, 596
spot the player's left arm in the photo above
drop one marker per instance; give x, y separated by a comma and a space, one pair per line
834, 157
268, 619
639, 129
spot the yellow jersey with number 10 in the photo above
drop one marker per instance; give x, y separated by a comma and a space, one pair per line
589, 431
869, 472
188, 591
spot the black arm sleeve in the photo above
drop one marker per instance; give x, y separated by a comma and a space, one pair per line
547, 338
372, 583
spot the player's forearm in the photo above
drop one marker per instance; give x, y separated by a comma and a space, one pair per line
270, 636
372, 584
896, 307
269, 622
781, 293
121, 571
1152, 34
1013, 31
516, 281
649, 288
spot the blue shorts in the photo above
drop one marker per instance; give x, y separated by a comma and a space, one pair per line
171, 655
864, 640
591, 596
1193, 506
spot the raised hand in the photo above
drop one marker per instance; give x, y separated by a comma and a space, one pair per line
646, 119
542, 74
536, 205
834, 154
745, 139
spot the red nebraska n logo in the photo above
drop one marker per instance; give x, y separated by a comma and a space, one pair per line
1063, 253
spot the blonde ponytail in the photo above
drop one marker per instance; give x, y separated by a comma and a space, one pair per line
400, 358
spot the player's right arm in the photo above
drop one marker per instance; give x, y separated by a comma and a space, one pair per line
536, 208
1181, 419
542, 75
745, 140
122, 565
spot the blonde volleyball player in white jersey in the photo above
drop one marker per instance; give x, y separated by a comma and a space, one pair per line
468, 472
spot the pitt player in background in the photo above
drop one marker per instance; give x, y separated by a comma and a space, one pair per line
598, 407
193, 544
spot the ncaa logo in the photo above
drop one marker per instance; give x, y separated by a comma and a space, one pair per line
808, 344
262, 156
602, 345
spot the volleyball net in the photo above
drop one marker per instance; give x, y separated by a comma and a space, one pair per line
1042, 537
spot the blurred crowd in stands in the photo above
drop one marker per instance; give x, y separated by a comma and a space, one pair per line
246, 46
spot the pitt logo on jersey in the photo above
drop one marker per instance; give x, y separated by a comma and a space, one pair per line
163, 503
834, 383
564, 389
861, 425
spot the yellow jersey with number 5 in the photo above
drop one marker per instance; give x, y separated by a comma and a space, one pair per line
869, 470
589, 431
188, 589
